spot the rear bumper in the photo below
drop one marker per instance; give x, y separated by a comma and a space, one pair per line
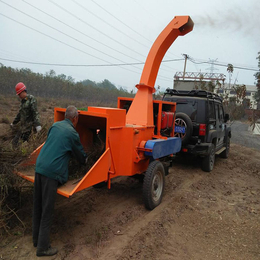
197, 149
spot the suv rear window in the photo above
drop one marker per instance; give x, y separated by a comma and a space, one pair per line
189, 107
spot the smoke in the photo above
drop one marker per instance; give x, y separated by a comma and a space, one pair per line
237, 20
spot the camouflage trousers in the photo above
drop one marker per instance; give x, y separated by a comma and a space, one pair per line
21, 136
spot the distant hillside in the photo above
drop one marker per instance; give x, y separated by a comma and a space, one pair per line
51, 85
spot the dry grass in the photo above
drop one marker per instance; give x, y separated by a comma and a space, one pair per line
10, 184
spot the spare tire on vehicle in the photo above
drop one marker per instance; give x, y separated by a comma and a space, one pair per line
183, 121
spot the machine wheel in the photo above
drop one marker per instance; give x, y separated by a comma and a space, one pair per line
184, 120
153, 185
209, 161
225, 153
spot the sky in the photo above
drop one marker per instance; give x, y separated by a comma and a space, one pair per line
101, 39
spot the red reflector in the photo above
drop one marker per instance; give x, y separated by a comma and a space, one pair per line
185, 150
202, 130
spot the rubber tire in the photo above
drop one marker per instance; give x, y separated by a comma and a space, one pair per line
209, 161
225, 153
153, 185
182, 119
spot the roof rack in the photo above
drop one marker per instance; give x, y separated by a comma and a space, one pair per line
192, 93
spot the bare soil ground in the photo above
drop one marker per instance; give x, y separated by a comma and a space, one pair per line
202, 216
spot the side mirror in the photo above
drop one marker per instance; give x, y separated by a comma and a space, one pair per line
226, 118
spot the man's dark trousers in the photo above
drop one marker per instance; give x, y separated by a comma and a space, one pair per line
45, 191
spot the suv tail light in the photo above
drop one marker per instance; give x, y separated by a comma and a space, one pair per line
202, 129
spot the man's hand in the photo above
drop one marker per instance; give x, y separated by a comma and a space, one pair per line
38, 128
11, 125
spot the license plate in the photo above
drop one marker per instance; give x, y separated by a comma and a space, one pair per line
179, 129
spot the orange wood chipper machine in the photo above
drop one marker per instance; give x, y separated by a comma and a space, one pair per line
138, 140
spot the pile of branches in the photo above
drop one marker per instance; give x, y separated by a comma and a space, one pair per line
77, 171
11, 184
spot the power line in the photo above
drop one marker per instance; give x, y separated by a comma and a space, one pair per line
65, 10
119, 65
83, 7
126, 11
126, 26
75, 65
83, 21
63, 33
222, 65
81, 65
114, 64
87, 65
160, 76
81, 32
60, 41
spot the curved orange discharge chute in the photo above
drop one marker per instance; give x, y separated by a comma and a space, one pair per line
140, 112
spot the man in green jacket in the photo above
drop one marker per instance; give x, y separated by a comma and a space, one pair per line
28, 115
51, 170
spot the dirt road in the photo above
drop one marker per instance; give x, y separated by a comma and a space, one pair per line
202, 216
241, 135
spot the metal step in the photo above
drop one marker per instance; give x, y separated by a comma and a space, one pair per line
221, 150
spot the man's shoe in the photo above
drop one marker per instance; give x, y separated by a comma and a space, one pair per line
49, 252
35, 244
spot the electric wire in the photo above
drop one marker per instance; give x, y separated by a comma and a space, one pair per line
65, 10
160, 76
80, 65
118, 65
146, 11
64, 33
83, 21
75, 48
122, 53
106, 22
126, 26
81, 33
120, 20
222, 65
93, 65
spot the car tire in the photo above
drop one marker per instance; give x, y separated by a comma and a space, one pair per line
153, 185
182, 119
209, 160
225, 153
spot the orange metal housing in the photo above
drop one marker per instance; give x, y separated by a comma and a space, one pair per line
126, 133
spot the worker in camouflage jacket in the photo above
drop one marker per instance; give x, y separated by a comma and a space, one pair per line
28, 115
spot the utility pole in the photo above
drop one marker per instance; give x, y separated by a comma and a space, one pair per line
184, 70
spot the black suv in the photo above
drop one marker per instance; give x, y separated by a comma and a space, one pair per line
201, 123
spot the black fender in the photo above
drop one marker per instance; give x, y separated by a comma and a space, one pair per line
213, 134
228, 131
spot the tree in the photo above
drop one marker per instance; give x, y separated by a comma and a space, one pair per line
230, 69
240, 93
201, 84
106, 84
211, 86
257, 77
51, 73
